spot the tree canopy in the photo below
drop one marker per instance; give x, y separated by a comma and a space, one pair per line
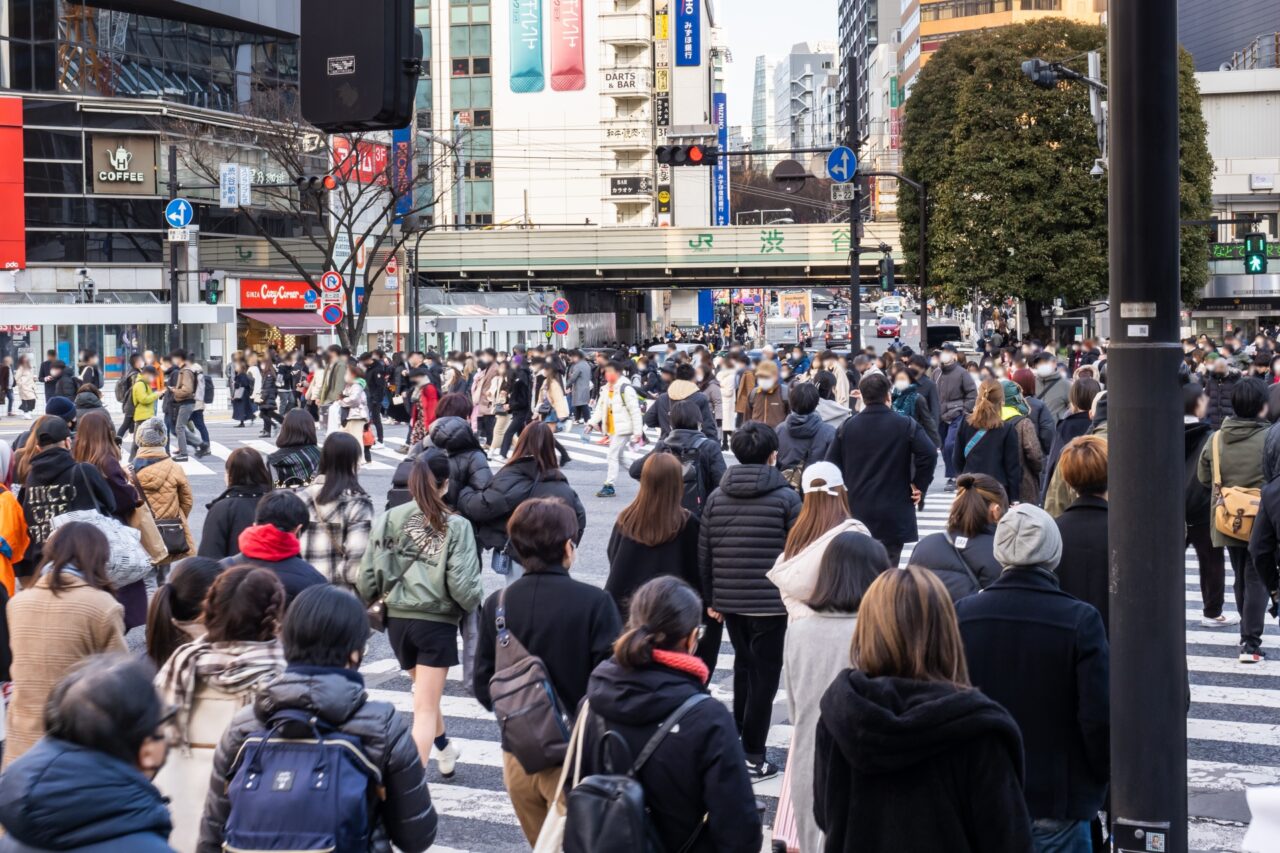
1013, 208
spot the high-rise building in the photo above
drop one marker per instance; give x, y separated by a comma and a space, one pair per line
802, 81
1213, 31
863, 25
763, 132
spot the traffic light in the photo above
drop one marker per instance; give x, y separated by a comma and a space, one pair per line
212, 290
687, 155
1255, 253
316, 183
1041, 73
359, 72
887, 283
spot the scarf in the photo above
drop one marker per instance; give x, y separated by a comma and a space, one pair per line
682, 662
238, 668
268, 542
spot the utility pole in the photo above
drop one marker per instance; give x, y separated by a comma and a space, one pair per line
459, 172
1145, 434
855, 213
175, 327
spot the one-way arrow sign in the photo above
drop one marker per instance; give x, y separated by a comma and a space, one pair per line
178, 213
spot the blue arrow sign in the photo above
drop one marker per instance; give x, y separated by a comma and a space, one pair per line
178, 213
842, 164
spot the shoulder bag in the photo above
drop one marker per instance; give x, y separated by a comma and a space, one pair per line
973, 576
973, 442
173, 532
377, 609
1234, 507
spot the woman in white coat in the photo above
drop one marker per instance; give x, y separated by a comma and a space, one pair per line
727, 377
617, 415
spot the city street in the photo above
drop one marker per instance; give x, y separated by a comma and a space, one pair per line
1233, 724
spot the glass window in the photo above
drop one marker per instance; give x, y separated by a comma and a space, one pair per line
461, 67
422, 101
459, 41
480, 65
480, 195
481, 91
460, 93
480, 144
52, 145
422, 18
55, 246
54, 212
482, 118
480, 14
482, 169
480, 43
458, 15
123, 247
62, 178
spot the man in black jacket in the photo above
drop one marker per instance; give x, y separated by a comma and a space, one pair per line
803, 438
887, 462
1043, 655
682, 387
46, 375
744, 528
928, 394
689, 445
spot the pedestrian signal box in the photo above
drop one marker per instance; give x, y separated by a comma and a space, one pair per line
1255, 253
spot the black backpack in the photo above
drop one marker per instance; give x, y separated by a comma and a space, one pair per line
124, 387
606, 812
207, 394
695, 491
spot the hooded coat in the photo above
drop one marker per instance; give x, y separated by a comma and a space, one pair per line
659, 414
488, 508
230, 514
66, 797
917, 765
89, 401
468, 465
699, 769
797, 576
1055, 393
55, 484
803, 440
1219, 389
405, 818
1243, 442
744, 528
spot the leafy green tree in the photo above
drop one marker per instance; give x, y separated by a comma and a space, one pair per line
1013, 208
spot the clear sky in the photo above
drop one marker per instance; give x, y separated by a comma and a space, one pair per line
753, 27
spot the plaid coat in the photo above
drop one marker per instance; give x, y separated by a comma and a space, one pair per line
336, 539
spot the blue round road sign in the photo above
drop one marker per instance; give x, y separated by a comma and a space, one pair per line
178, 213
560, 326
309, 297
842, 164
331, 314
560, 306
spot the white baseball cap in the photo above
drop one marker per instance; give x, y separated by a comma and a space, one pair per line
830, 475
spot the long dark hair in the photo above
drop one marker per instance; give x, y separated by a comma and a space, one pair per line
664, 612
849, 566
340, 465
181, 599
537, 440
245, 467
81, 547
95, 440
971, 510
656, 516
429, 472
298, 429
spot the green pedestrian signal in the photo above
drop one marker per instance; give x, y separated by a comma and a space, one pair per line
1255, 253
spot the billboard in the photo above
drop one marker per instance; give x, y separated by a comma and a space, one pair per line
526, 46
688, 33
720, 171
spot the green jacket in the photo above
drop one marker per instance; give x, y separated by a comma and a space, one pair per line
144, 400
439, 575
1243, 441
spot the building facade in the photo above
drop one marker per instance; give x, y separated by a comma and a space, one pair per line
1213, 31
802, 81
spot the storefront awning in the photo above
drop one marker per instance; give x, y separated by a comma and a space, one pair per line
290, 322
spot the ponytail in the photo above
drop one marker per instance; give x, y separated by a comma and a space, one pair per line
664, 612
430, 471
163, 637
635, 647
971, 508
179, 600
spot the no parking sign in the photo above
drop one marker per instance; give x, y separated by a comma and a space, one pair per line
332, 314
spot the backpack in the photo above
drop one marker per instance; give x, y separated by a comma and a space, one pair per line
206, 392
531, 718
127, 406
124, 387
316, 792
606, 811
695, 492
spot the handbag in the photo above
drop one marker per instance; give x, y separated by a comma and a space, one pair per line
173, 533
551, 836
376, 612
1234, 507
127, 561
237, 394
144, 522
366, 437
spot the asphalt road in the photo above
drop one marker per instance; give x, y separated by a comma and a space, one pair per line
1233, 725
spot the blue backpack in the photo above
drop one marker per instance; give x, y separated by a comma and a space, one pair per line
314, 791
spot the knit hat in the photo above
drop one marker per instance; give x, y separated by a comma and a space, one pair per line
1013, 396
767, 368
152, 433
60, 407
1027, 536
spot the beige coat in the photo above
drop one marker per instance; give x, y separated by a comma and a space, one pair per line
25, 378
167, 491
49, 634
553, 391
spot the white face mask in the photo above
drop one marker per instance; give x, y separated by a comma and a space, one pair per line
975, 375
902, 385
765, 384
1044, 371
948, 357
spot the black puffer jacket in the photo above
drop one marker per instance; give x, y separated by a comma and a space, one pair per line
229, 514
56, 484
936, 553
489, 508
405, 817
711, 465
803, 440
699, 769
88, 401
468, 466
744, 529
1219, 389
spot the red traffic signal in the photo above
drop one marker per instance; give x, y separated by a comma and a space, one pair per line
317, 183
687, 155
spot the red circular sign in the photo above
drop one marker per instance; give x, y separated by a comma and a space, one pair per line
331, 281
560, 326
332, 314
560, 306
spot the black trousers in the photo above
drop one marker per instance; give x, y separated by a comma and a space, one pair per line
895, 552
709, 645
375, 419
125, 428
519, 420
1252, 596
757, 668
485, 424
1213, 568
582, 413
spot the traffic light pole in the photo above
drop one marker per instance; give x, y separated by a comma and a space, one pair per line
1145, 435
175, 327
855, 213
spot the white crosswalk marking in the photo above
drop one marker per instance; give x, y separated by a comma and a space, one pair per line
1232, 704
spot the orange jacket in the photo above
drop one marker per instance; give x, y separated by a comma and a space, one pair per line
13, 529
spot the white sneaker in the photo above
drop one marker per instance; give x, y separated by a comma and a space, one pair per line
1226, 620
378, 445
446, 759
28, 416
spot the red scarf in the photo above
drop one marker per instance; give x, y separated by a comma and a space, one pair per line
682, 662
268, 542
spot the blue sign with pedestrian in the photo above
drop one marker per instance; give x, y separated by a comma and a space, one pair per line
842, 164
178, 213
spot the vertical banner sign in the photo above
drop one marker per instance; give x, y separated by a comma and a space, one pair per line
402, 171
526, 46
720, 171
688, 33
568, 69
662, 100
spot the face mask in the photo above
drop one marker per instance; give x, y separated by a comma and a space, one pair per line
948, 357
976, 377
902, 385
765, 384
1044, 371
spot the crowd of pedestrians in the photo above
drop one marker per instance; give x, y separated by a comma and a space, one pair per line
924, 715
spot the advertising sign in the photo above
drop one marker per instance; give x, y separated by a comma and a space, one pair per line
269, 294
796, 304
688, 33
228, 185
568, 72
625, 79
631, 185
124, 165
402, 171
720, 171
526, 46
367, 164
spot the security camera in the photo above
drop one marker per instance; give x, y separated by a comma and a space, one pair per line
1099, 169
83, 272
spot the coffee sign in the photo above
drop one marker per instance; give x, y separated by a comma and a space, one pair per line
124, 165
269, 294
